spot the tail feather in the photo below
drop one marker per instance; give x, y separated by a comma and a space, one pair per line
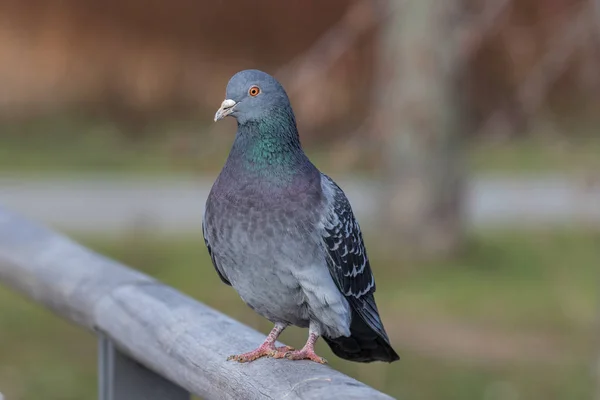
363, 345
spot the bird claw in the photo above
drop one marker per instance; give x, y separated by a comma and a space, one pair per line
304, 355
284, 349
274, 352
247, 357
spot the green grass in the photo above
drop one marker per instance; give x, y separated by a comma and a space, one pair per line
542, 280
545, 283
68, 144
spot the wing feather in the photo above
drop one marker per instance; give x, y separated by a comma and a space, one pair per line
347, 257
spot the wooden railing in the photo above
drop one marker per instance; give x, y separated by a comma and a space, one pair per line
154, 342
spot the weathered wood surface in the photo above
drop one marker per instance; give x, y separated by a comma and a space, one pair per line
168, 332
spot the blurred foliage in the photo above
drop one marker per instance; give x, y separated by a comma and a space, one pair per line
140, 61
542, 285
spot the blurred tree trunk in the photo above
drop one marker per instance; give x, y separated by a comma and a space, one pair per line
419, 117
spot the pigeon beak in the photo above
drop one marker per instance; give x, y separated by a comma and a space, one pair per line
226, 108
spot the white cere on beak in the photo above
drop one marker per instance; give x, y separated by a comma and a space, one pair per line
225, 109
227, 103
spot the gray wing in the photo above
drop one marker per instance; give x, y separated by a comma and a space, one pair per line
347, 257
212, 255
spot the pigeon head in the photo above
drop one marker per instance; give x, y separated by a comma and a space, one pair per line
252, 96
266, 142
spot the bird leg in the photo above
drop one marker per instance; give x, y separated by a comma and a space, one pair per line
267, 349
305, 353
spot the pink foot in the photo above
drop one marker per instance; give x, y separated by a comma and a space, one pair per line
284, 349
265, 350
303, 354
306, 353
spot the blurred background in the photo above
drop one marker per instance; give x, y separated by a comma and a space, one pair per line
466, 134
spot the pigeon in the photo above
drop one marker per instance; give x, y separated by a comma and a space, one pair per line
284, 236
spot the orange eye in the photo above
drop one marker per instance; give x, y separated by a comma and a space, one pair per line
254, 91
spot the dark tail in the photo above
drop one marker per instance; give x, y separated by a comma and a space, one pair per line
363, 344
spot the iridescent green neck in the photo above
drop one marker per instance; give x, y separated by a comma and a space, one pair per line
269, 146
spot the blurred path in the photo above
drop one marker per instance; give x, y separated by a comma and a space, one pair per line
176, 205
